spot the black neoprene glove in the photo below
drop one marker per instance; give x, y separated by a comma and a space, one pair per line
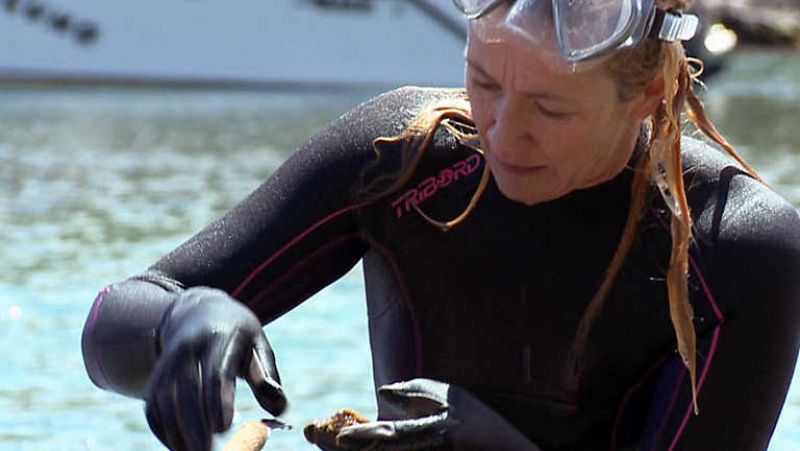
429, 414
206, 340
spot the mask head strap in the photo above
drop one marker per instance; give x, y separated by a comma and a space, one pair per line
673, 26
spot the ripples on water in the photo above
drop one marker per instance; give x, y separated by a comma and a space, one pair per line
99, 184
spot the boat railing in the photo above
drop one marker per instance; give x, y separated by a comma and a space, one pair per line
84, 32
445, 14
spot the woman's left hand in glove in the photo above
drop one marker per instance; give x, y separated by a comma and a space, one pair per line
432, 414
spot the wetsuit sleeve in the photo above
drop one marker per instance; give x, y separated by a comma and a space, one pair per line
292, 236
748, 334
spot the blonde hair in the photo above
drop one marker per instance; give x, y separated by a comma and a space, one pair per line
634, 69
455, 115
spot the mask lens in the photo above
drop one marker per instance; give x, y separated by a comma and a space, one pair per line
473, 7
533, 20
587, 27
571, 34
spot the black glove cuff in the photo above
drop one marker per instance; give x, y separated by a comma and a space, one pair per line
119, 341
162, 280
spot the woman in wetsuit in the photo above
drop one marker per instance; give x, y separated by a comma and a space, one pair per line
548, 263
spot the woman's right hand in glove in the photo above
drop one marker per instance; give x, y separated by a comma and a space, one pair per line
207, 339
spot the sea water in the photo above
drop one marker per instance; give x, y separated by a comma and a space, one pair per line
97, 184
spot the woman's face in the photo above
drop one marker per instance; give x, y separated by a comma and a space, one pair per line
546, 133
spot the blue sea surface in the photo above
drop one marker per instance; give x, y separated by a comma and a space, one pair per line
99, 183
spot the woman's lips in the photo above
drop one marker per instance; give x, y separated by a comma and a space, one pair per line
514, 169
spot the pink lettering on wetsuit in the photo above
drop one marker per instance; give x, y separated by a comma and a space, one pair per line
431, 185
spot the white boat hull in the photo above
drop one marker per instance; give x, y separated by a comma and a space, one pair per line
388, 42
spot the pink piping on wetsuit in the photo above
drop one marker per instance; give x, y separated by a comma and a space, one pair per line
711, 350
407, 299
299, 265
382, 250
721, 320
291, 243
95, 312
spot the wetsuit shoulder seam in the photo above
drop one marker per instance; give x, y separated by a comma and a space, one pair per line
291, 243
406, 295
254, 301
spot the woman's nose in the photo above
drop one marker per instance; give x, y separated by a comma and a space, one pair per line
511, 128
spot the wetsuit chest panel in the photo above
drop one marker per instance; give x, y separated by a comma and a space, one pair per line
512, 284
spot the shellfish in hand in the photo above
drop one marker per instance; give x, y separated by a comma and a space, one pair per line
426, 414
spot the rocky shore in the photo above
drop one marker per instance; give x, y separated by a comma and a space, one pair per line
757, 22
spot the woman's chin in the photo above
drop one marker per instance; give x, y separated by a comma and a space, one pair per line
528, 196
541, 186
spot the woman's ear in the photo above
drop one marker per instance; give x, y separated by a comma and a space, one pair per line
650, 99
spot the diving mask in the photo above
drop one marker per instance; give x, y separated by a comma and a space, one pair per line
574, 33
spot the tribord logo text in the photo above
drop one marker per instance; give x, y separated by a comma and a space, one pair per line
431, 185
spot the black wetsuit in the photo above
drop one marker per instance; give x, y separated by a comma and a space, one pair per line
493, 304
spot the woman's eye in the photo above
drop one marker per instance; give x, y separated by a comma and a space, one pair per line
552, 113
483, 84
